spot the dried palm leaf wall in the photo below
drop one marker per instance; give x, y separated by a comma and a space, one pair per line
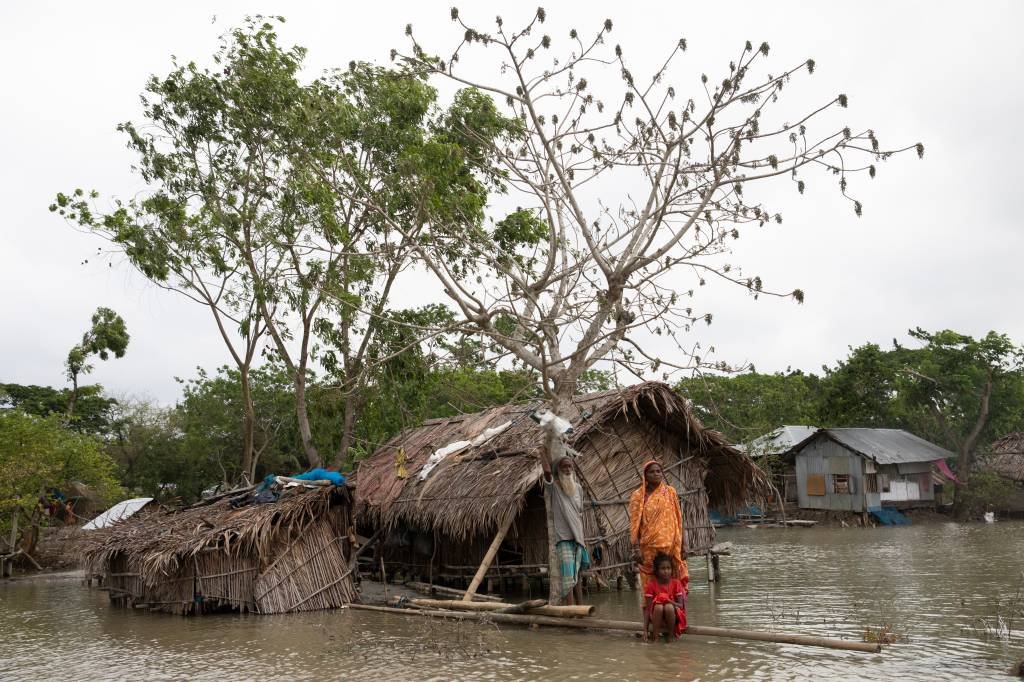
609, 465
276, 558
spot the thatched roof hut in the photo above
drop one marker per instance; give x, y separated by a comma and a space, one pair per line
441, 525
1007, 457
278, 557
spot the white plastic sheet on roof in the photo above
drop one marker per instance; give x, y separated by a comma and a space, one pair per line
121, 510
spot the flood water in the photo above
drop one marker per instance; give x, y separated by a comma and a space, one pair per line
951, 589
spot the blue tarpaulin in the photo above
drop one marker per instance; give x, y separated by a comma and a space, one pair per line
322, 475
888, 516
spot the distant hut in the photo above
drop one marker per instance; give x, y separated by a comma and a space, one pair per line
860, 470
442, 525
1006, 459
278, 557
778, 445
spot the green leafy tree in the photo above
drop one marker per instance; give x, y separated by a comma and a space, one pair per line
749, 405
94, 412
107, 335
38, 455
203, 152
263, 201
863, 390
971, 388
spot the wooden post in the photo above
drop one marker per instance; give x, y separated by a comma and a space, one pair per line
488, 558
715, 567
711, 570
556, 450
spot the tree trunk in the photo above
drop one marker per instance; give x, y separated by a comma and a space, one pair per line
305, 432
73, 398
556, 449
963, 459
965, 456
248, 428
353, 406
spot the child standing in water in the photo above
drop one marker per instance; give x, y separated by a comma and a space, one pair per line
665, 601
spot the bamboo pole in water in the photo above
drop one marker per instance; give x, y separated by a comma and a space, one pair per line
488, 558
634, 626
565, 611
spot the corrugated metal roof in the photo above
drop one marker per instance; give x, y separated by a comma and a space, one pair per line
121, 510
780, 440
888, 446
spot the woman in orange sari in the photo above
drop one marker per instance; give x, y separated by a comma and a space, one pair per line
656, 525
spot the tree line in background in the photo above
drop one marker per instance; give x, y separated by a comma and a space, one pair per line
951, 389
959, 392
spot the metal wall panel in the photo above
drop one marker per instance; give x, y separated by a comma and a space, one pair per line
830, 458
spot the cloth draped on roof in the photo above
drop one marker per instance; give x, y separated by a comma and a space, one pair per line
941, 465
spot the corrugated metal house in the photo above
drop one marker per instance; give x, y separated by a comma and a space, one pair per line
861, 469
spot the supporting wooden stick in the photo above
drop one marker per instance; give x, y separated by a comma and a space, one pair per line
488, 558
365, 546
633, 626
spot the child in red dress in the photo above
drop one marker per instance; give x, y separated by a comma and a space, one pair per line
665, 601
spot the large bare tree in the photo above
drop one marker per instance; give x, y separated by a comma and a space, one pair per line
625, 189
630, 189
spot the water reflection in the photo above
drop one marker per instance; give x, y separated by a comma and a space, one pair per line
950, 588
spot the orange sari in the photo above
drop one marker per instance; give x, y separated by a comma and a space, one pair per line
656, 527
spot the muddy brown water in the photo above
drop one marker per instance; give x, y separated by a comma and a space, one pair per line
956, 591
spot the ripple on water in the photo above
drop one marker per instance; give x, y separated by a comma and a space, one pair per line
942, 585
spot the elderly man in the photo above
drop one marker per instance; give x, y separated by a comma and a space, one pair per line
566, 502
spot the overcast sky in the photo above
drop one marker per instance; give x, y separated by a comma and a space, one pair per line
939, 245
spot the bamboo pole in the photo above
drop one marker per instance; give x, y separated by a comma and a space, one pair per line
544, 610
439, 589
634, 626
488, 558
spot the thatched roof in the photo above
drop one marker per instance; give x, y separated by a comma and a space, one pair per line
1007, 457
472, 491
161, 540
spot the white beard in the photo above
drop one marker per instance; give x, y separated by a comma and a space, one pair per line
567, 482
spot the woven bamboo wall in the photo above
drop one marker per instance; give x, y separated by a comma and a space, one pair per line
302, 571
